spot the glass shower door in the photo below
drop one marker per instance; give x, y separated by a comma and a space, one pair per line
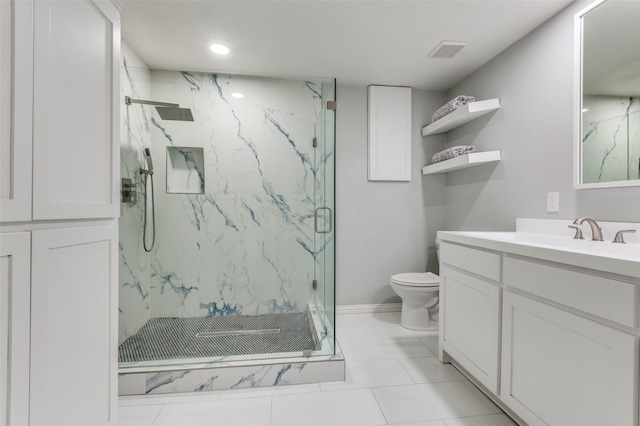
324, 226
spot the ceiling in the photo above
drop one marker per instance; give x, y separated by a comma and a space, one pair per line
359, 42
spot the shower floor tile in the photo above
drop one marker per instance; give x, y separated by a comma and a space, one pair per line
202, 337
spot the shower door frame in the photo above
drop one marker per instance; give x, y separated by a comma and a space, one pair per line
324, 213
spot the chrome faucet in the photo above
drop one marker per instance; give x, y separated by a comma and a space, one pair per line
596, 231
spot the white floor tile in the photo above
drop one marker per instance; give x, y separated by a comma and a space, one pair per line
343, 408
143, 415
269, 391
434, 401
378, 373
430, 423
175, 398
369, 318
432, 343
237, 412
490, 420
356, 333
396, 331
388, 349
430, 370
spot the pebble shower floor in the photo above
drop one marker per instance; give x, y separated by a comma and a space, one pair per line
202, 337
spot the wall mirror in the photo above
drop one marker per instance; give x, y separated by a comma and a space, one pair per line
607, 95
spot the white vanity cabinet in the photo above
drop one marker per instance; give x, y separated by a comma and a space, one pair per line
470, 308
559, 368
555, 341
564, 340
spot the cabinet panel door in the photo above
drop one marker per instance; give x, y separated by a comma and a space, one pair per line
16, 75
76, 119
565, 370
471, 324
73, 329
15, 284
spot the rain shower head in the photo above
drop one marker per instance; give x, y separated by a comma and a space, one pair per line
166, 110
180, 114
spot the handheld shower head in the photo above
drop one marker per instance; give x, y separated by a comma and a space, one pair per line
147, 154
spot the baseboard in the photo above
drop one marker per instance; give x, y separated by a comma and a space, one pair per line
371, 308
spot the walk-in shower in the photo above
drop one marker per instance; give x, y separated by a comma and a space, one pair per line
242, 266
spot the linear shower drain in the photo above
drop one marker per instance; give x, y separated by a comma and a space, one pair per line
238, 332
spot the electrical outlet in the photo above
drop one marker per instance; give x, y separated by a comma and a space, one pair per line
553, 202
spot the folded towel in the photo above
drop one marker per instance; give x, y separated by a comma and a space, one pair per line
453, 152
452, 105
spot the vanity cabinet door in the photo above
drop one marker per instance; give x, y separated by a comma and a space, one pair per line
75, 110
73, 326
470, 327
560, 369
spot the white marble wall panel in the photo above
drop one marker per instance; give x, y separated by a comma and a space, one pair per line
135, 134
327, 369
185, 170
245, 246
610, 138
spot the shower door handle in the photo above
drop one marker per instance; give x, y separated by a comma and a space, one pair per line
315, 220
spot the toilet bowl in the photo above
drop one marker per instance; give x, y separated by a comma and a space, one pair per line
420, 293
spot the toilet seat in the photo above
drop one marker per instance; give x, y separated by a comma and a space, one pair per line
416, 279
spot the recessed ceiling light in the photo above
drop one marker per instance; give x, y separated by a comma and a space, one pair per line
220, 49
237, 95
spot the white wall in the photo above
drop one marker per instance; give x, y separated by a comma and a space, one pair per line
534, 130
382, 228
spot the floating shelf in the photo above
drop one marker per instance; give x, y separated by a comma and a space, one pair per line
462, 162
467, 113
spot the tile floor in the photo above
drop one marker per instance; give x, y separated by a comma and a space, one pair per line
393, 378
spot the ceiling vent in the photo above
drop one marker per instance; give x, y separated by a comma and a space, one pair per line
447, 49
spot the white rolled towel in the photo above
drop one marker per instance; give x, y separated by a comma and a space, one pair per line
452, 105
453, 152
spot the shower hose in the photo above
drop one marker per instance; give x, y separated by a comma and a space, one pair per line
153, 214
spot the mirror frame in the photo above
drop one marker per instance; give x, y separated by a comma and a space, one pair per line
577, 108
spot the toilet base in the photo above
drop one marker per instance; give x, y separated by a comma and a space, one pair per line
419, 319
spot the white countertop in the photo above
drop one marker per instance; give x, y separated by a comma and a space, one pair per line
623, 259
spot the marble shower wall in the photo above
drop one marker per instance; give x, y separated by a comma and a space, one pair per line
135, 135
610, 138
235, 227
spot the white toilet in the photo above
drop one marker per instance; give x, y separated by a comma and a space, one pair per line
420, 294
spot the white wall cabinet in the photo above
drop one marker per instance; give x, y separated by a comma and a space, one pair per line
389, 133
76, 91
559, 368
15, 250
73, 333
16, 93
72, 53
59, 149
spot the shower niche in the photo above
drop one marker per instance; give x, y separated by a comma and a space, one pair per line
185, 170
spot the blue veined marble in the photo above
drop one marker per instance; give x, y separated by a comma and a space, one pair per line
226, 309
610, 139
135, 134
246, 244
185, 170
